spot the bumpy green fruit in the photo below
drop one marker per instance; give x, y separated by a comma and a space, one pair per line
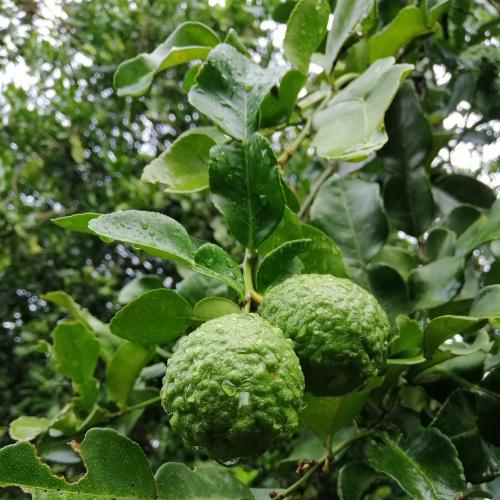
340, 332
234, 387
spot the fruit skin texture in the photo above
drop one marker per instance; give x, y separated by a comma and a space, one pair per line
339, 330
234, 387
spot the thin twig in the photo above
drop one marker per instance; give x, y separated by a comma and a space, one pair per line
135, 407
322, 178
247, 275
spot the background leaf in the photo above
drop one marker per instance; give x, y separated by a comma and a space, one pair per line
77, 222
398, 258
230, 89
354, 480
305, 30
246, 188
155, 317
189, 41
28, 428
466, 189
138, 286
214, 307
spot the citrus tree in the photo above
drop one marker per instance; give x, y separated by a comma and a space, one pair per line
358, 309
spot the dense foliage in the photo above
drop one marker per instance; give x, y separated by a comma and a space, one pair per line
206, 139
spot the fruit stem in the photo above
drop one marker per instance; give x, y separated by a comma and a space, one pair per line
256, 297
331, 454
135, 407
247, 275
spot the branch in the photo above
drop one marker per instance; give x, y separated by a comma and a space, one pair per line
247, 275
135, 407
322, 178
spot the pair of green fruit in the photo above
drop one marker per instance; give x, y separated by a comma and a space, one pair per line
235, 385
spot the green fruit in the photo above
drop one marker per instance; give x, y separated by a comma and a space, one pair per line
234, 387
340, 332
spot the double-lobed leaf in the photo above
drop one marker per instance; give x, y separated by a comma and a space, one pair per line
183, 168
425, 464
230, 89
351, 127
305, 30
188, 42
246, 188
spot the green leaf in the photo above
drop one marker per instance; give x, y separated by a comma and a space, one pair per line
124, 368
155, 317
436, 283
275, 262
233, 39
354, 480
75, 350
488, 407
322, 256
480, 232
28, 428
389, 289
457, 420
190, 77
175, 481
211, 260
188, 42
198, 286
408, 201
288, 229
279, 104
309, 447
305, 30
291, 200
230, 89
77, 222
439, 243
108, 474
138, 286
466, 189
351, 127
435, 9
152, 232
282, 11
348, 211
345, 17
214, 307
246, 188
487, 302
406, 347
408, 24
325, 415
183, 168
87, 394
398, 258
425, 464
461, 218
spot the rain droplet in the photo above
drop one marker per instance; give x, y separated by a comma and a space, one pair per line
218, 117
122, 224
228, 387
151, 233
263, 199
144, 224
210, 262
230, 263
248, 87
232, 275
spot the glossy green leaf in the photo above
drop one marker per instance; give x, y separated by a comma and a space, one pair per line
488, 407
279, 103
434, 9
322, 256
198, 286
175, 481
348, 211
408, 24
211, 260
124, 368
152, 232
480, 232
351, 127
354, 480
436, 283
108, 474
233, 39
461, 218
398, 258
390, 290
75, 350
183, 167
282, 11
408, 201
77, 222
410, 136
487, 302
138, 286
275, 262
288, 229
466, 189
305, 30
345, 17
28, 428
190, 77
325, 415
189, 41
291, 200
439, 243
155, 317
425, 465
246, 188
456, 419
230, 89
408, 338
214, 307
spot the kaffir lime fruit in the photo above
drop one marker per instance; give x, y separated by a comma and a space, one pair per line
234, 387
340, 332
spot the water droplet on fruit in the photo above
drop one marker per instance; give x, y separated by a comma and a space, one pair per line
228, 387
